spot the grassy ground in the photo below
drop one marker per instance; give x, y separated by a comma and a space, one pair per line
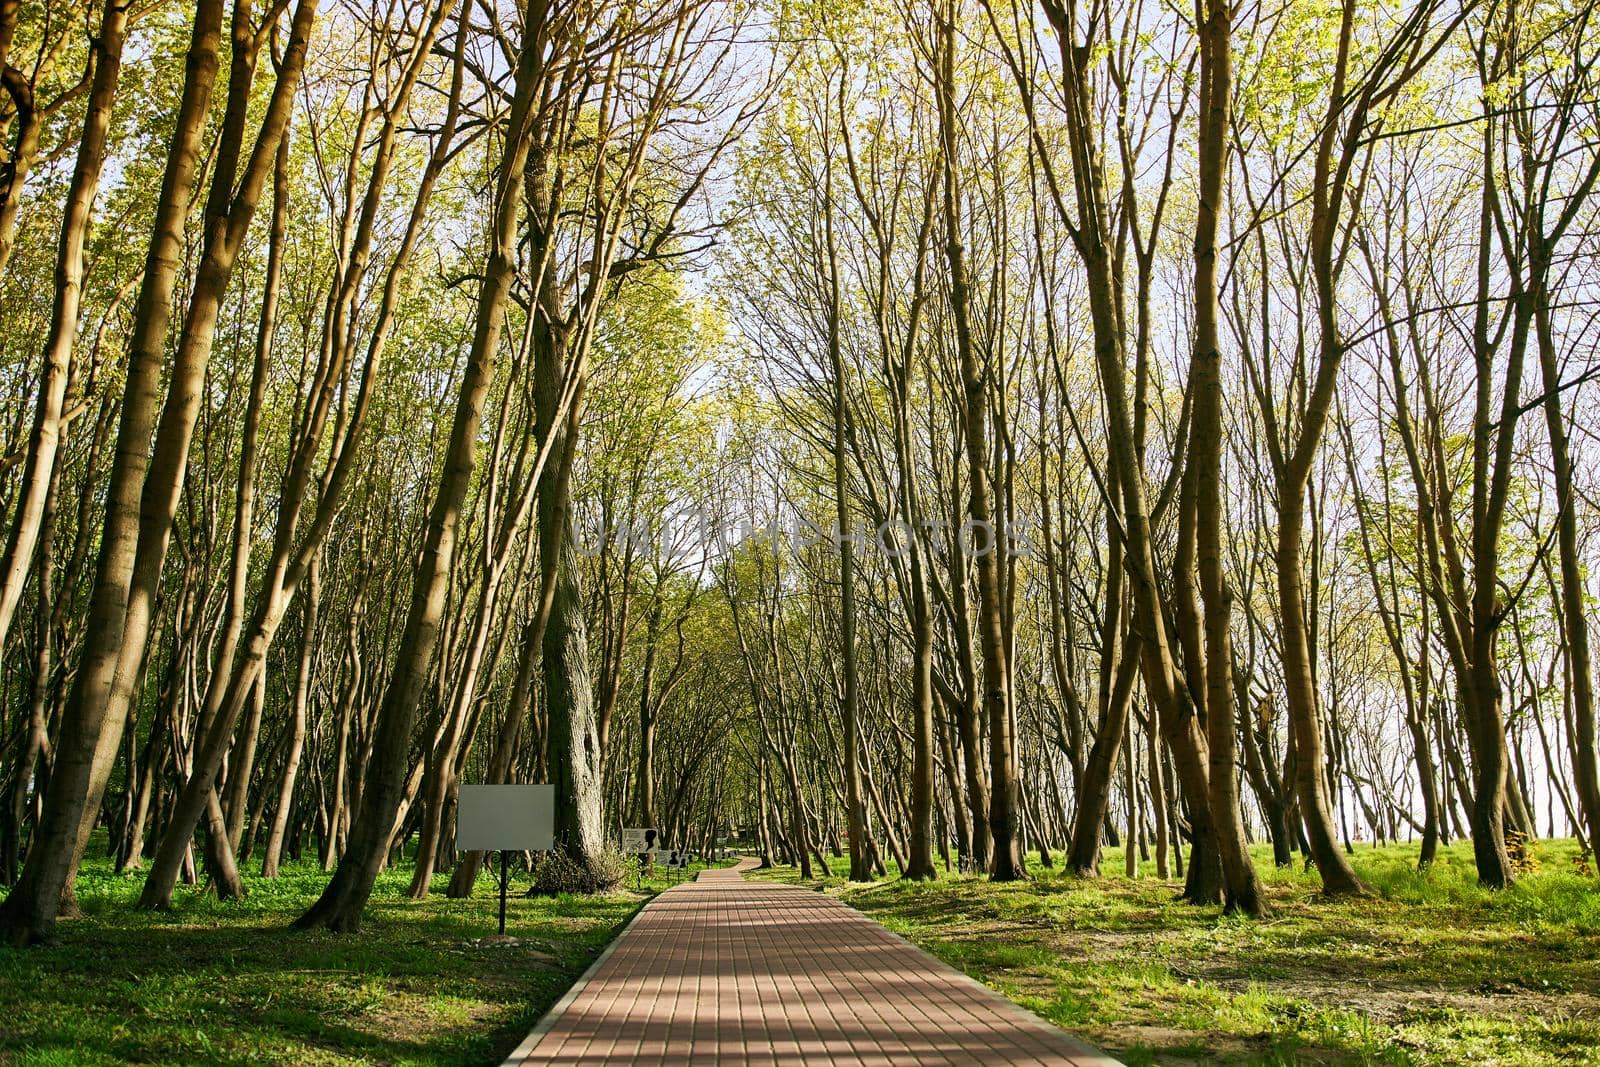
424, 982
1433, 971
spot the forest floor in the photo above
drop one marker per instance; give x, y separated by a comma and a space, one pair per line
1433, 970
424, 982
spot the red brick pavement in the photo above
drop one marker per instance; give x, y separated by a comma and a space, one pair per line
724, 971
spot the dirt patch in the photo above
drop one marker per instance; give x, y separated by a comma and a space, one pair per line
1178, 1048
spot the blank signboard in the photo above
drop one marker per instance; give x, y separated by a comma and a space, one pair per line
518, 817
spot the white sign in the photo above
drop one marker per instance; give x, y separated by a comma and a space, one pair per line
518, 817
639, 840
678, 857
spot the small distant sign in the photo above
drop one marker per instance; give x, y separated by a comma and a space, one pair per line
678, 857
498, 817
639, 840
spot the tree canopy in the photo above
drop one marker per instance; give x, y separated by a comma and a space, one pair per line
934, 437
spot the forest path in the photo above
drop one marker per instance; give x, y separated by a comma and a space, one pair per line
726, 971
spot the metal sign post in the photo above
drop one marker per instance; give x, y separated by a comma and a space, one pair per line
642, 842
506, 819
505, 880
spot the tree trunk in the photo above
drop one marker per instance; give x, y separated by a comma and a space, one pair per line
919, 863
35, 737
645, 785
229, 215
1573, 596
1176, 714
1094, 789
1244, 893
297, 724
574, 729
45, 439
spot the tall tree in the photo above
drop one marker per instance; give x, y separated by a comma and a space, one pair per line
546, 41
987, 543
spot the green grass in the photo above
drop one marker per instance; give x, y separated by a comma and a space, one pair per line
227, 983
1432, 971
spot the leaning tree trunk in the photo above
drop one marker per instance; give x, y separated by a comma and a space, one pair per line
1094, 789
297, 725
35, 735
440, 784
45, 439
28, 115
229, 215
340, 906
1118, 672
1204, 881
244, 499
290, 562
1305, 717
1300, 688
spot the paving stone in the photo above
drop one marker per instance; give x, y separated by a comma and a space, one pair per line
725, 971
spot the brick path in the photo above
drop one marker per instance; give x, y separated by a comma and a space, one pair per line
724, 971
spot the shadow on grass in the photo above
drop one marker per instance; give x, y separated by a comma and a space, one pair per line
228, 983
1434, 970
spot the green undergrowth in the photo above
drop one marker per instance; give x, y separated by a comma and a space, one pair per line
214, 982
1431, 970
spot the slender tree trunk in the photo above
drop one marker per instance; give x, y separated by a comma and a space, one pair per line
1118, 673
1006, 861
1094, 790
920, 861
1300, 684
241, 766
229, 215
849, 704
35, 736
645, 785
244, 500
1158, 801
1177, 716
440, 783
26, 115
1130, 854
